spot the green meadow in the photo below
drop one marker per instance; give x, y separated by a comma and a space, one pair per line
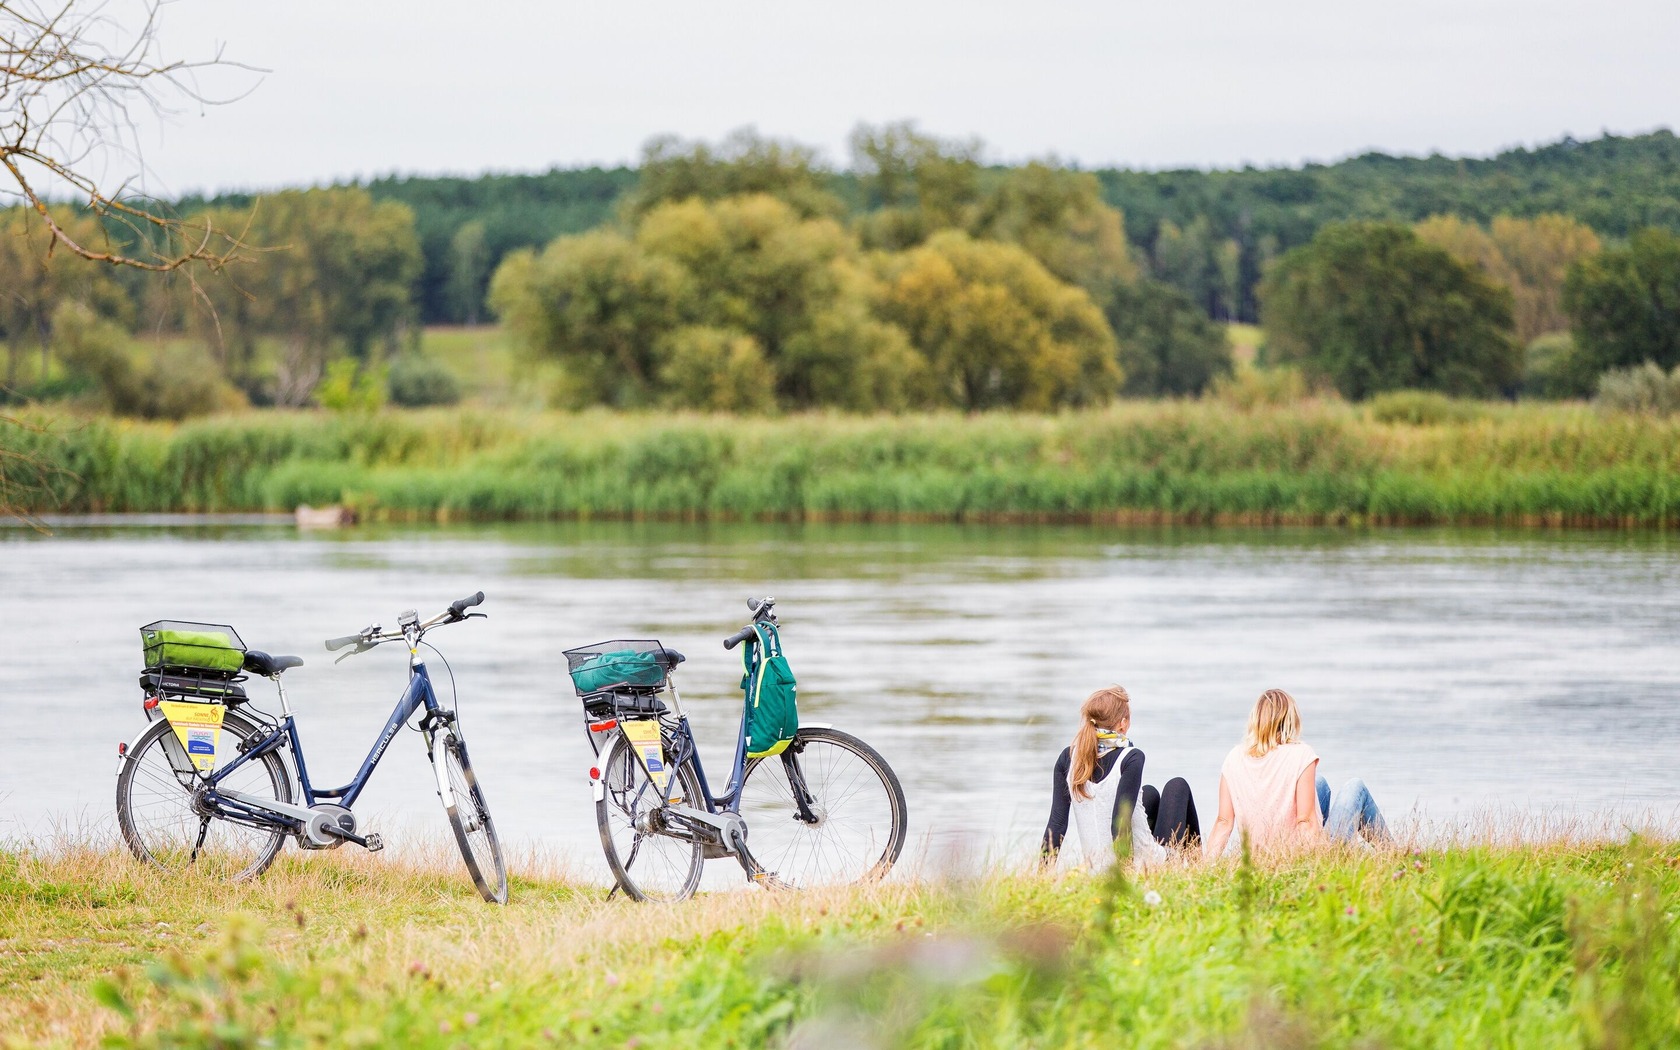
1566, 943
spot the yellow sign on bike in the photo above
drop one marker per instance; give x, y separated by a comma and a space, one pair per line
644, 737
198, 727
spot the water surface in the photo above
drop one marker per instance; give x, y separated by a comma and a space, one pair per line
1453, 670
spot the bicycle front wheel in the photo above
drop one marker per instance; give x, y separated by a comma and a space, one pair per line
850, 827
470, 819
165, 821
649, 860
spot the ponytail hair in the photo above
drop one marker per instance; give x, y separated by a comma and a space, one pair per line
1103, 709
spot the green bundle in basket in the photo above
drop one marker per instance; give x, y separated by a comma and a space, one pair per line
203, 650
619, 667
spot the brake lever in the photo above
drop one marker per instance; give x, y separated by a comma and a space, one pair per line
481, 616
360, 649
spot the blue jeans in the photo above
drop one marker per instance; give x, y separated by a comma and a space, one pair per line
1350, 812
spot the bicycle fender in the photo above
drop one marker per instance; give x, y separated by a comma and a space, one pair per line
597, 785
445, 792
125, 749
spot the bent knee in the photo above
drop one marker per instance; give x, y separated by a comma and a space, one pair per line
1356, 786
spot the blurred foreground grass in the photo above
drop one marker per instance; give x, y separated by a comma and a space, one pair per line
1241, 457
1560, 944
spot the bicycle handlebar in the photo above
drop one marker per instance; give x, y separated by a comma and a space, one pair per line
763, 610
738, 637
371, 636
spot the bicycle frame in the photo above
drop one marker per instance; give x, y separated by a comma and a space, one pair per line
684, 748
419, 693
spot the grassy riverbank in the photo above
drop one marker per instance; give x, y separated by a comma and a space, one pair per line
1552, 945
1307, 462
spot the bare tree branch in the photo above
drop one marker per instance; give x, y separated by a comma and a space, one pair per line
72, 75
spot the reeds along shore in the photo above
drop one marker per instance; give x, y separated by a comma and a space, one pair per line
1566, 942
1206, 461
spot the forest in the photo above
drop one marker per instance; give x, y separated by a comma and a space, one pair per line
756, 275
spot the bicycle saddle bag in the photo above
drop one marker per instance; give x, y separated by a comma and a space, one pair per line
156, 683
624, 704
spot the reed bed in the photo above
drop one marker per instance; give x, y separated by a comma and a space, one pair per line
1569, 941
1311, 462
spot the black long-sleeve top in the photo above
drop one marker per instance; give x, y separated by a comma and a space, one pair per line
1131, 781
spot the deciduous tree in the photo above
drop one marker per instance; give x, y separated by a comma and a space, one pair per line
1371, 307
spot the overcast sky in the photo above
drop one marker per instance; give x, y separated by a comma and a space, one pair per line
367, 87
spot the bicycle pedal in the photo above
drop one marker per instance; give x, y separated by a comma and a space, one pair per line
375, 842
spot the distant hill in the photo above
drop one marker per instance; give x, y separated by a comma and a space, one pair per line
1614, 184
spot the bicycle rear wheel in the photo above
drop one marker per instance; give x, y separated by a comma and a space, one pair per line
470, 819
649, 862
851, 828
164, 821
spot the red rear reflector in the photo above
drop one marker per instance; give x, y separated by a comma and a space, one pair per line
594, 773
122, 747
151, 702
602, 727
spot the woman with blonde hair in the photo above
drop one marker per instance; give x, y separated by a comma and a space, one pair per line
1269, 787
1099, 784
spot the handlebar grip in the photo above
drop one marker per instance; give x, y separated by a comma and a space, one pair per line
335, 644
461, 605
738, 637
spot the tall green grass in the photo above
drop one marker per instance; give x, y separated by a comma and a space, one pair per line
1310, 462
1555, 944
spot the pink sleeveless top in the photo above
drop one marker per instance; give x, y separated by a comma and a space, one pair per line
1263, 793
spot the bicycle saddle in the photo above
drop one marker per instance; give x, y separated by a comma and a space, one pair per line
671, 658
259, 662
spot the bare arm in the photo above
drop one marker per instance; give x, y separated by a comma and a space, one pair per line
1222, 827
1309, 822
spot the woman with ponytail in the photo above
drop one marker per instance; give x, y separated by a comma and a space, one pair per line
1098, 782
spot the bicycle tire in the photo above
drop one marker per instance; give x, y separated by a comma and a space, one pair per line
670, 866
469, 818
159, 837
858, 801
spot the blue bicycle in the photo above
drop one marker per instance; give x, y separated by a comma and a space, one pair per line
206, 784
823, 809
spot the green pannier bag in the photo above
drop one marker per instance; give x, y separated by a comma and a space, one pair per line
206, 650
619, 667
772, 695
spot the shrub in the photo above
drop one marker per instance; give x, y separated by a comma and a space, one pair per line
1248, 387
416, 381
175, 383
1555, 368
1646, 388
349, 387
1421, 408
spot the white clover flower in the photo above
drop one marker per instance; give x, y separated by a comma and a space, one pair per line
1152, 898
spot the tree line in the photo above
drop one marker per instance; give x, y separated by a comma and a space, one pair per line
749, 274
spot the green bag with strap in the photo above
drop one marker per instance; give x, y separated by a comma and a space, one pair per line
772, 695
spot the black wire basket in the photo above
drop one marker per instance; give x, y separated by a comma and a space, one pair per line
640, 664
204, 651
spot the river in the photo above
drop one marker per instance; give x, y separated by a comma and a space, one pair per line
1465, 675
